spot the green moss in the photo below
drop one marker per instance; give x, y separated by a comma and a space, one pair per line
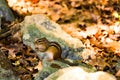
44, 73
49, 68
35, 33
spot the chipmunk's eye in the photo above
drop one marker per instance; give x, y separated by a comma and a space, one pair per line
39, 40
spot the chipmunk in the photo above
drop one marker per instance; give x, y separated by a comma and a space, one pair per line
48, 50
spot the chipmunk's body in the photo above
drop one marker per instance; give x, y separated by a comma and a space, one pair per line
48, 50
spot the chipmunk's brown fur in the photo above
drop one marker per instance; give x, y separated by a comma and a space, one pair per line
52, 50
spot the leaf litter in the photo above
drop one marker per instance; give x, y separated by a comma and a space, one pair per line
95, 23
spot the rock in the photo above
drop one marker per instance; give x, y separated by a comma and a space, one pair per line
6, 70
5, 11
48, 68
79, 73
39, 26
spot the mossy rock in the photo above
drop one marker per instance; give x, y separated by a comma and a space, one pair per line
40, 26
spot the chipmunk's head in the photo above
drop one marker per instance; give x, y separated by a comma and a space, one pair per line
41, 44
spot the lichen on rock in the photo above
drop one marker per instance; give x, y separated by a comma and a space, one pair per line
49, 68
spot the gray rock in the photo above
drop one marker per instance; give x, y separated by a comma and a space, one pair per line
79, 73
5, 11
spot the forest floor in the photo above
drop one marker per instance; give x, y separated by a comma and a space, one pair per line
96, 23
